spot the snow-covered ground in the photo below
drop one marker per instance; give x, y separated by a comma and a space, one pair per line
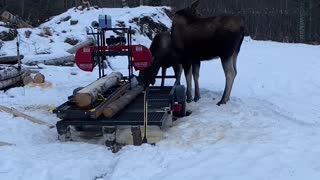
269, 130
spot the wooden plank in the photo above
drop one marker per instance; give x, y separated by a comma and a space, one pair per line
17, 113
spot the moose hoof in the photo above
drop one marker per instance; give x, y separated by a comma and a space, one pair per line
221, 102
196, 99
189, 100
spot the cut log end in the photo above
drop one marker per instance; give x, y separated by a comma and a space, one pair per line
83, 99
108, 112
39, 78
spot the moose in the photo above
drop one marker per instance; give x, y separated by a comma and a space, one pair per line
196, 39
163, 56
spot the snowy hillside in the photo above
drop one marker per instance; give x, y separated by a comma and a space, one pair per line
269, 130
49, 38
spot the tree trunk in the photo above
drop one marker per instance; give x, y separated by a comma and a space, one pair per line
10, 59
89, 94
75, 48
124, 3
301, 21
114, 107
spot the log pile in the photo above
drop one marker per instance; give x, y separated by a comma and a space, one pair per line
12, 76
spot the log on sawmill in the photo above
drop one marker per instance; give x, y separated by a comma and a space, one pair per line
61, 61
10, 59
75, 48
114, 96
89, 94
116, 106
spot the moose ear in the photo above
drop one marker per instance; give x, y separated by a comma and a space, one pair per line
195, 4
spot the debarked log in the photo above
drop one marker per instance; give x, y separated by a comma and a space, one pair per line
89, 94
116, 106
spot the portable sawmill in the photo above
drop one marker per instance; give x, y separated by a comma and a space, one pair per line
113, 100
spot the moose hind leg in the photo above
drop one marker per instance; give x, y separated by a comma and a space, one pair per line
188, 74
196, 72
230, 74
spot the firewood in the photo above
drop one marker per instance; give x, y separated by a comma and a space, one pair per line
39, 78
75, 48
14, 80
116, 106
27, 80
17, 113
10, 59
89, 94
8, 72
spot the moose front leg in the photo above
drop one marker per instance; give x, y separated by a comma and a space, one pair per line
187, 72
196, 73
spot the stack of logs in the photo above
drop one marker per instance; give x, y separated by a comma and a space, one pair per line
112, 105
10, 76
